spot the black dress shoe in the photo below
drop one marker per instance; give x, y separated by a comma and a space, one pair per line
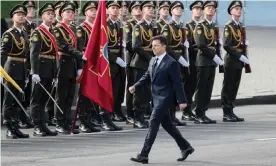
210, 120
229, 118
186, 153
38, 132
10, 134
140, 159
129, 120
114, 126
139, 125
48, 131
117, 118
201, 120
92, 127
84, 129
19, 134
188, 117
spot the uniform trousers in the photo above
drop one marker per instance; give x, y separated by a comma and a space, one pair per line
64, 97
39, 99
231, 83
204, 88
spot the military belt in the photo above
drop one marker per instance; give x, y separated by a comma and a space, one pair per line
62, 53
178, 51
147, 49
17, 59
239, 50
212, 48
48, 56
114, 50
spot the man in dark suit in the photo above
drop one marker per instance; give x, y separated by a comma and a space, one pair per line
164, 75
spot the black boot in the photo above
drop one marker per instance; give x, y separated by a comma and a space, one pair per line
19, 134
60, 128
175, 120
227, 117
10, 131
47, 130
38, 132
139, 121
92, 127
188, 114
109, 122
236, 117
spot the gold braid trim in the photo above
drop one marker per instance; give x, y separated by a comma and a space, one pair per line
175, 37
110, 35
209, 36
22, 42
69, 41
237, 36
47, 42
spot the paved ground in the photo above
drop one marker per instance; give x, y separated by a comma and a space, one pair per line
224, 144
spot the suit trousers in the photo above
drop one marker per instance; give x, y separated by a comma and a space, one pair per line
142, 95
39, 99
129, 96
10, 106
204, 88
64, 97
231, 83
161, 116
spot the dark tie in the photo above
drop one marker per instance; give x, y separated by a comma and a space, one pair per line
154, 67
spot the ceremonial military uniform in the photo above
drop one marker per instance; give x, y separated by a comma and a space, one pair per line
129, 27
142, 35
28, 27
43, 53
161, 22
191, 79
15, 60
206, 66
50, 103
87, 108
69, 63
114, 54
173, 31
232, 43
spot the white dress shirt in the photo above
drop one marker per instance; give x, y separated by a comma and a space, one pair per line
160, 58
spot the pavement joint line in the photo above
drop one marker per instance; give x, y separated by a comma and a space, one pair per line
265, 139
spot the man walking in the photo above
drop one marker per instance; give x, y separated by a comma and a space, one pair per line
164, 75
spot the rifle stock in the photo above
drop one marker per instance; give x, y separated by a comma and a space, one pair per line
244, 46
186, 69
218, 47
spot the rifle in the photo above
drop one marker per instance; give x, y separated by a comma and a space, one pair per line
184, 38
218, 45
244, 46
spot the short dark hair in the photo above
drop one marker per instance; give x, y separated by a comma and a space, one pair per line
161, 38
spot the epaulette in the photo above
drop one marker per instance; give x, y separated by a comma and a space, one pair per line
229, 22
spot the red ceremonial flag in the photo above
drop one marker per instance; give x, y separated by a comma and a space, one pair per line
95, 78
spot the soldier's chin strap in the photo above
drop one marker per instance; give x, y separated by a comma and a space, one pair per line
16, 99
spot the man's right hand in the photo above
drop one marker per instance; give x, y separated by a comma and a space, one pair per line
35, 78
131, 89
182, 106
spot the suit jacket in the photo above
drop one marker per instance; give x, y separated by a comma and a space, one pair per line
166, 85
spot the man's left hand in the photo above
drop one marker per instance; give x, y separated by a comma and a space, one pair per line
182, 106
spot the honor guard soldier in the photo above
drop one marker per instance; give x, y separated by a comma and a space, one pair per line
206, 62
86, 107
164, 15
43, 53
115, 61
191, 79
58, 4
142, 35
28, 27
15, 60
136, 13
69, 66
121, 23
234, 60
173, 31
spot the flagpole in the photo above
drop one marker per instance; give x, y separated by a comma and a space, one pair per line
75, 117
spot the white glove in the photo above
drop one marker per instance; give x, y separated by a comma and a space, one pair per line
79, 72
1, 79
183, 62
120, 62
247, 43
35, 78
244, 59
218, 60
186, 44
84, 58
55, 81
